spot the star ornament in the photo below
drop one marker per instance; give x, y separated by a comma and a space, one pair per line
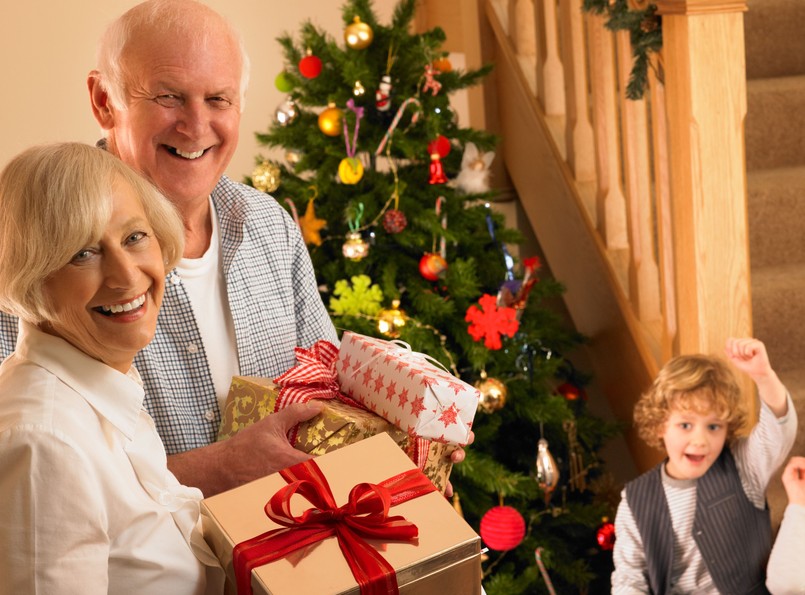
489, 322
311, 226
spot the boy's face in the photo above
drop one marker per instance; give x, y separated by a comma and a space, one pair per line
693, 442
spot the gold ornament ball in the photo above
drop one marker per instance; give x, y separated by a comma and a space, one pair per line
493, 394
392, 320
350, 170
266, 177
330, 120
355, 248
358, 35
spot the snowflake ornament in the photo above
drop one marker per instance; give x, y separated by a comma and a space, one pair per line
489, 321
359, 297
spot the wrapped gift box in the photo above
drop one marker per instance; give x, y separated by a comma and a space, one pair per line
405, 388
446, 557
251, 399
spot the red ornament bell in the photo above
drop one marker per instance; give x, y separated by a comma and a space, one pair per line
432, 266
605, 535
436, 170
502, 528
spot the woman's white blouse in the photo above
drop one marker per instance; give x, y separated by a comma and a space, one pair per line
87, 504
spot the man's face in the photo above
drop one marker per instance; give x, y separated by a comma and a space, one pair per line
181, 126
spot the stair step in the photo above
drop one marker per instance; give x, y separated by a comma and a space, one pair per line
778, 308
775, 45
776, 205
775, 122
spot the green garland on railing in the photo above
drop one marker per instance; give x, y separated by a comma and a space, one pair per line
645, 34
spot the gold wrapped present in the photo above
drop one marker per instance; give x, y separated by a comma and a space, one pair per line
251, 399
445, 556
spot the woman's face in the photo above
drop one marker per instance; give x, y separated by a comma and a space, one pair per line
106, 299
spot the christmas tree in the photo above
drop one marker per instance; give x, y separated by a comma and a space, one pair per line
393, 199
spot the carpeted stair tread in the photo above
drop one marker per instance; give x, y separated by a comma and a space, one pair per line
778, 313
776, 240
775, 122
775, 45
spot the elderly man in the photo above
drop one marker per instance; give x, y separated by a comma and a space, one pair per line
168, 92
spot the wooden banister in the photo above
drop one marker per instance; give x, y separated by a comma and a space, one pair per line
705, 82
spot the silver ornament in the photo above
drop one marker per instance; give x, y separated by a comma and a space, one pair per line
286, 113
547, 471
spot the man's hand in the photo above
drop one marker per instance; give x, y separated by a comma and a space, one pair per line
456, 457
794, 480
257, 450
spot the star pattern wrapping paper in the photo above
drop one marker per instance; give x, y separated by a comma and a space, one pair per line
405, 388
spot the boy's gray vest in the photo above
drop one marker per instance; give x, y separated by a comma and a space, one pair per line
733, 536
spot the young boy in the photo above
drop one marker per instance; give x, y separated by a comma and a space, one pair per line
698, 523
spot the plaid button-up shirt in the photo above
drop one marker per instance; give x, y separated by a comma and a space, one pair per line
275, 306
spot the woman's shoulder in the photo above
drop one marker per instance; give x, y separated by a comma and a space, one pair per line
35, 401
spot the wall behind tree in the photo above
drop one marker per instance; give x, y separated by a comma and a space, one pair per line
47, 48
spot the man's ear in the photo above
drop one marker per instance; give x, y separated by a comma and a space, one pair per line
99, 98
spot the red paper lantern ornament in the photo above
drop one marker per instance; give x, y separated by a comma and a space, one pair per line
432, 266
502, 528
310, 66
440, 146
605, 535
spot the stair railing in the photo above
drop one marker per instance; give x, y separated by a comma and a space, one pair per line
639, 206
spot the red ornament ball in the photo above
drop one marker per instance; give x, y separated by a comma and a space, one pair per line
432, 266
605, 535
394, 221
440, 146
310, 66
568, 391
502, 528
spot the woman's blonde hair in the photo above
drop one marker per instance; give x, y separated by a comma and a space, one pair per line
700, 383
57, 199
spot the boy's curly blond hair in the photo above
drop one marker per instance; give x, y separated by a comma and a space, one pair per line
700, 383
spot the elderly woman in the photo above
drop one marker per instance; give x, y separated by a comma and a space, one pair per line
87, 504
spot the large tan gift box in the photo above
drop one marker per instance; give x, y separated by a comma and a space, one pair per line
446, 558
252, 398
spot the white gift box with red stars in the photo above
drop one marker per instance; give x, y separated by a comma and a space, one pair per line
406, 389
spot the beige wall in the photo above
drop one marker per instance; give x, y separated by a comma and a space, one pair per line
47, 47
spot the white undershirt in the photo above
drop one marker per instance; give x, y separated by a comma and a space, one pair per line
203, 280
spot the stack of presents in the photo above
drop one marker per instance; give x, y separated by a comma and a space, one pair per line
367, 514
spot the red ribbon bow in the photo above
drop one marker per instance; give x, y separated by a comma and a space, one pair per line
364, 515
314, 377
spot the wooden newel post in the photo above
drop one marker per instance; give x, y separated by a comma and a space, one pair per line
705, 86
